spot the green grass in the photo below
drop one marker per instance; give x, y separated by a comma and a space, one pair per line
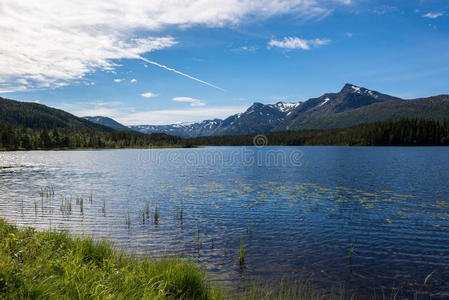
54, 265
51, 265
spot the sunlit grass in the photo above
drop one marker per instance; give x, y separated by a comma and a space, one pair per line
54, 265
319, 196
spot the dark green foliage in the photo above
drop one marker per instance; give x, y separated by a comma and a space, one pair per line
405, 132
12, 138
26, 126
45, 141
33, 115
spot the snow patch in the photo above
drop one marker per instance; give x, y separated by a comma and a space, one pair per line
285, 106
361, 91
356, 89
325, 101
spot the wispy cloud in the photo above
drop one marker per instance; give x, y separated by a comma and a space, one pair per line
179, 72
192, 101
385, 9
297, 43
243, 49
149, 95
134, 80
50, 46
117, 80
433, 15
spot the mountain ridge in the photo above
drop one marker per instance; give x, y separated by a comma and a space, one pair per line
106, 121
34, 115
350, 106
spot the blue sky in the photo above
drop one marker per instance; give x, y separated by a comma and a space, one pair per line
86, 58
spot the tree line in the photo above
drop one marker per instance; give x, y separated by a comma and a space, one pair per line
404, 132
23, 138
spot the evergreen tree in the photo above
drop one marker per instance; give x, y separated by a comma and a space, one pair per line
45, 140
55, 136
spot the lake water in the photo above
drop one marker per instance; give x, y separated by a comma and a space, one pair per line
363, 217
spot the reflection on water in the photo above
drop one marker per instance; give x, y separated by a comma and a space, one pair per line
368, 217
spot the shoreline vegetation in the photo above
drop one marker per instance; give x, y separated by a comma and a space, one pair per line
405, 132
23, 138
53, 265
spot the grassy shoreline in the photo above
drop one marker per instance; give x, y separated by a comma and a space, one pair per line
55, 265
50, 265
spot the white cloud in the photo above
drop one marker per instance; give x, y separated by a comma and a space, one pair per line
192, 101
432, 15
134, 80
52, 43
297, 43
149, 95
117, 80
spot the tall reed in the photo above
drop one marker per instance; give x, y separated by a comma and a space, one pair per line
242, 252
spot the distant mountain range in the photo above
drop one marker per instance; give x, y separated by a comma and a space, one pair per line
256, 119
351, 106
105, 121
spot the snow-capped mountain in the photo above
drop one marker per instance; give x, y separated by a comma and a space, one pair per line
188, 129
315, 113
257, 118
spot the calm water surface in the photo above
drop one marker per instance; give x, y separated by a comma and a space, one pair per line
299, 210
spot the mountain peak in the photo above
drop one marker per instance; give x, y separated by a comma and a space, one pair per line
257, 104
351, 88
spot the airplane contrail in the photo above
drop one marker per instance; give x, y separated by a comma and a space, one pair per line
180, 73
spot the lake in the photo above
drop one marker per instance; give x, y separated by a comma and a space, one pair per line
360, 217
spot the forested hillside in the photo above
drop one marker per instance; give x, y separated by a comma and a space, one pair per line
34, 115
405, 132
26, 125
13, 138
